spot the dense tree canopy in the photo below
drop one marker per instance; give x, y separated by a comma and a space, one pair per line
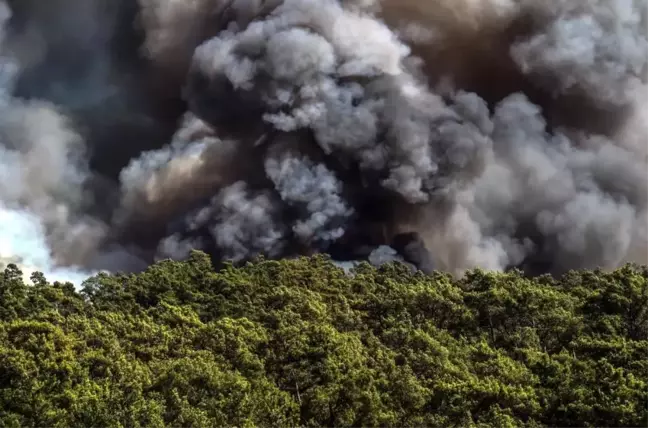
301, 343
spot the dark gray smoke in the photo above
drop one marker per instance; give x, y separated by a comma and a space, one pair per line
447, 134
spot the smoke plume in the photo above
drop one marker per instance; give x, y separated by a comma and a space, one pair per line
447, 134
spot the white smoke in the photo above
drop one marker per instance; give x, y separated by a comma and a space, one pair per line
41, 179
23, 243
241, 224
501, 132
316, 192
597, 47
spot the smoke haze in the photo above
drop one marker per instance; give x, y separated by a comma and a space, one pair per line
447, 134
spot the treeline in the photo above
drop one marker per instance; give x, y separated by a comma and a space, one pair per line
300, 343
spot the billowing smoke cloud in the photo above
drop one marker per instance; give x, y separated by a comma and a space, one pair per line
445, 134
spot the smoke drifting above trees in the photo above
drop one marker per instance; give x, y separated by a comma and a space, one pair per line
493, 134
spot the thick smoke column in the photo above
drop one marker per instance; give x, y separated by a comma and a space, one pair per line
446, 134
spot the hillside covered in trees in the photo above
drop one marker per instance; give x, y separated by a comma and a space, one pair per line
301, 343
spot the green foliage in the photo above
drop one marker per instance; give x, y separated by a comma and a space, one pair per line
300, 343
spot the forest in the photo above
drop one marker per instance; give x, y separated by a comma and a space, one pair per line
299, 342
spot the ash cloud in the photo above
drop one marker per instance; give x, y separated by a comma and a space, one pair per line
445, 134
